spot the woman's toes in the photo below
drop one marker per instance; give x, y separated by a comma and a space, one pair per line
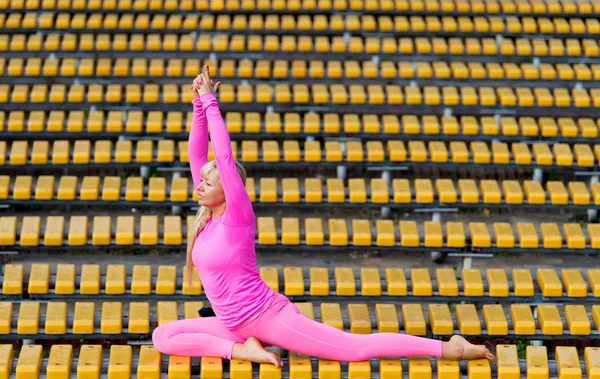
274, 360
477, 352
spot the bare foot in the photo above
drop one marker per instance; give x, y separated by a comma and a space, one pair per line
253, 351
459, 348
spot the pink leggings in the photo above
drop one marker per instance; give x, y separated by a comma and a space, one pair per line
283, 325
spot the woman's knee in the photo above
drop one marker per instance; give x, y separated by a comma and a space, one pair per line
159, 339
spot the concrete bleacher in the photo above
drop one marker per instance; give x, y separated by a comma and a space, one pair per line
41, 281
168, 233
82, 154
80, 320
96, 125
124, 361
524, 100
177, 70
324, 298
366, 126
311, 192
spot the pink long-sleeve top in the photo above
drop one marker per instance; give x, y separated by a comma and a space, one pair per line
224, 252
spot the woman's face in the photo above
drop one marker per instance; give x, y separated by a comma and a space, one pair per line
210, 192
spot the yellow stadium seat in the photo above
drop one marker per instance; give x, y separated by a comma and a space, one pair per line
409, 235
497, 282
401, 191
393, 95
523, 323
551, 236
574, 236
578, 324
549, 319
421, 284
574, 284
583, 155
523, 283
504, 235
536, 360
446, 191
450, 95
480, 236
467, 319
468, 96
319, 281
590, 47
495, 320
455, 234
379, 191
56, 323
423, 191
459, 152
487, 97
361, 234
525, 97
438, 151
433, 234
579, 193
440, 319
557, 192
446, 282
13, 282
480, 153
512, 192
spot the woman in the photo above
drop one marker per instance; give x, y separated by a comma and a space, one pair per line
250, 314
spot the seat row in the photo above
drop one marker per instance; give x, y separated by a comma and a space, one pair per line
288, 232
401, 192
299, 23
125, 361
523, 7
563, 129
81, 152
317, 94
296, 69
116, 279
80, 319
27, 231
132, 43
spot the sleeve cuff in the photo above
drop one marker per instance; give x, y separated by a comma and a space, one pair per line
197, 102
207, 96
208, 100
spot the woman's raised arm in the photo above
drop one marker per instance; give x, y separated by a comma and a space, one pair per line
198, 139
239, 207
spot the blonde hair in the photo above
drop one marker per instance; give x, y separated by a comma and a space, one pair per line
203, 215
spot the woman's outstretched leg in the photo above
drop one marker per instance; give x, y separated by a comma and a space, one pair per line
197, 337
284, 326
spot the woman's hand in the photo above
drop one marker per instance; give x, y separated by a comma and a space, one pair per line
195, 85
205, 83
